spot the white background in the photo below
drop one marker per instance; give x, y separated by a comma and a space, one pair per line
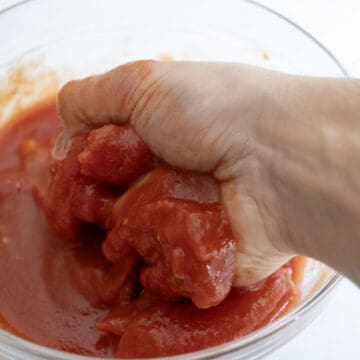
336, 333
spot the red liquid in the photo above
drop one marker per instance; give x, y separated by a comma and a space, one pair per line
76, 286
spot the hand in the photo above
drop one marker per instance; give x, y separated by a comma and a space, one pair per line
196, 116
260, 133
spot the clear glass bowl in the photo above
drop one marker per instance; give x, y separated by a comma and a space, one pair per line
76, 38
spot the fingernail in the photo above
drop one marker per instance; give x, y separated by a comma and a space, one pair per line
61, 146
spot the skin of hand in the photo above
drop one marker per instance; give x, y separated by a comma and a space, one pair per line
276, 143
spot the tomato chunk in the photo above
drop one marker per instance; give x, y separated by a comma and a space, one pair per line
175, 221
74, 199
153, 327
115, 155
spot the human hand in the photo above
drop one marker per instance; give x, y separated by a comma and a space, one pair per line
204, 117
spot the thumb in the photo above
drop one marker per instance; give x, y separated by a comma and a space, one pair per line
99, 100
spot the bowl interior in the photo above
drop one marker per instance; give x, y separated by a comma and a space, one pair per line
67, 39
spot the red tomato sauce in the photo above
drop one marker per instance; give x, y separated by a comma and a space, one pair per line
110, 252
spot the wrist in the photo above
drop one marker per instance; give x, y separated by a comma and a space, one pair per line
310, 143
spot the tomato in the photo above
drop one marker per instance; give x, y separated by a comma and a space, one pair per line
177, 224
112, 252
115, 155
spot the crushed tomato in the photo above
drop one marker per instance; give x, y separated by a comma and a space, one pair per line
111, 252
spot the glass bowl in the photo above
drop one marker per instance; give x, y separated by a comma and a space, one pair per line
46, 43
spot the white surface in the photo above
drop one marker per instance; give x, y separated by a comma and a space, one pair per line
335, 23
336, 333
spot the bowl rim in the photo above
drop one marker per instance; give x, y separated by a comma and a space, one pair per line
255, 3
302, 30
209, 353
20, 344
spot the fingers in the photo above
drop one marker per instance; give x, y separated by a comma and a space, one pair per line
188, 117
99, 100
256, 256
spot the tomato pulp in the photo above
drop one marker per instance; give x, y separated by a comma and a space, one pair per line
112, 253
